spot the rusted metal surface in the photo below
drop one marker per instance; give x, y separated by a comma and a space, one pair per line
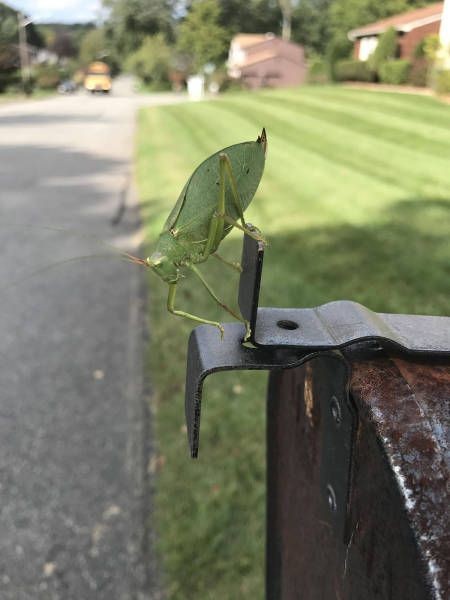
395, 545
406, 401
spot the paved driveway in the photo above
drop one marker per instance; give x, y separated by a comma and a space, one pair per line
75, 437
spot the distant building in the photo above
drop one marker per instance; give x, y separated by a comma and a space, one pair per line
45, 57
264, 60
412, 27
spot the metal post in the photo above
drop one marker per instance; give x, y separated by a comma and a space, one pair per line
357, 504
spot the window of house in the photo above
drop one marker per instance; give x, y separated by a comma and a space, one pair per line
367, 46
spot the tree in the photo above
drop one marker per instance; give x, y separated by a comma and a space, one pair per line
130, 21
252, 16
386, 49
310, 24
200, 37
9, 31
92, 46
151, 62
63, 44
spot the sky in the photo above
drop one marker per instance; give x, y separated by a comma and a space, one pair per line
61, 11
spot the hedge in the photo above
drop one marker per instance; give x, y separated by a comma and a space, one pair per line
418, 75
318, 71
442, 82
353, 70
395, 72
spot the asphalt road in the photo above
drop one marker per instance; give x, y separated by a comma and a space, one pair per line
75, 431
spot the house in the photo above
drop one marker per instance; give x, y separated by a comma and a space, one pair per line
265, 60
444, 35
412, 27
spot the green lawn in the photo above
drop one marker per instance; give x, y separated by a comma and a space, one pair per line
355, 204
19, 97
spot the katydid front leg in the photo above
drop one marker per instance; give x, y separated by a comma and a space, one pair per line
234, 265
180, 313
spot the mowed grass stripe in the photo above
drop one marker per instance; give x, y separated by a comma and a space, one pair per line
403, 143
360, 152
285, 170
417, 108
392, 128
313, 184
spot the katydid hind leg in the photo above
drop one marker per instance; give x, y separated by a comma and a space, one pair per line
181, 313
216, 225
226, 167
212, 235
218, 301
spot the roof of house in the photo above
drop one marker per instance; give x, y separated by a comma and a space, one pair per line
258, 57
404, 22
250, 39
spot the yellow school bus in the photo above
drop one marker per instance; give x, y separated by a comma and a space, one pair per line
98, 78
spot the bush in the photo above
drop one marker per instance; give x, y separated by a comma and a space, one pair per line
318, 71
386, 49
152, 61
442, 82
418, 75
47, 77
339, 48
10, 81
395, 72
431, 46
353, 70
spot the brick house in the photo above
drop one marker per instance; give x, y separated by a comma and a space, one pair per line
264, 60
412, 27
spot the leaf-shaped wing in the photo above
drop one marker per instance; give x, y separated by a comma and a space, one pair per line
199, 199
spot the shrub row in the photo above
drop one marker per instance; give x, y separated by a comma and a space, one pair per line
9, 80
442, 82
353, 70
395, 72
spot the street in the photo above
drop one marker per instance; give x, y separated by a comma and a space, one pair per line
75, 428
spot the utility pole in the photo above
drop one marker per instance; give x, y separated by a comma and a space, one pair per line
23, 52
287, 8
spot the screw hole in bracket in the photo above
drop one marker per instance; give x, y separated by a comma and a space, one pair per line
285, 324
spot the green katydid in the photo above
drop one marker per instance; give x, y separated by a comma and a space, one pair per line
211, 203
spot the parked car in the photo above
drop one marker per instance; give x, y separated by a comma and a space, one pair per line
67, 87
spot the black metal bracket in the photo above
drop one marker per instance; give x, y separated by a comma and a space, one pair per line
284, 338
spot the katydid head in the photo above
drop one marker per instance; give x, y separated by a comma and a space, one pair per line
163, 267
